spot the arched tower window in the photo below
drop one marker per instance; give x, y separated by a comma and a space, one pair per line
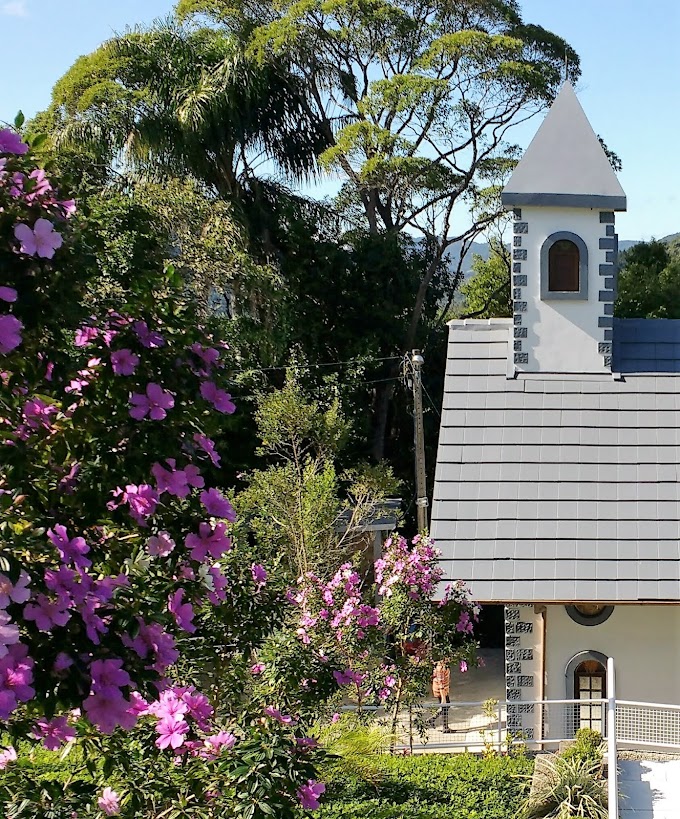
564, 267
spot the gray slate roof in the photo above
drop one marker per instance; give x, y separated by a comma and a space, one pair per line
565, 164
560, 487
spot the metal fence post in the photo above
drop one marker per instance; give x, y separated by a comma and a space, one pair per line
612, 755
500, 727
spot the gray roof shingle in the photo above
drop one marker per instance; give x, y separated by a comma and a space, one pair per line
560, 488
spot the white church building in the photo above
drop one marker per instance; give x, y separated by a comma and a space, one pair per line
556, 490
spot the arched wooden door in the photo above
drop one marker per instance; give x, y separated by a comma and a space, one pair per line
590, 683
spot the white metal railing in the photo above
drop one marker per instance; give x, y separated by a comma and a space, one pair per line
612, 753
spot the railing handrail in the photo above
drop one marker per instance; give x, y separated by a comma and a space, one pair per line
665, 706
612, 753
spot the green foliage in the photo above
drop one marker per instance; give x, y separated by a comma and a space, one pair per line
587, 745
649, 282
437, 786
487, 292
566, 787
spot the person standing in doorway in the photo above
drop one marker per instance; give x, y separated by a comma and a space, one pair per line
441, 684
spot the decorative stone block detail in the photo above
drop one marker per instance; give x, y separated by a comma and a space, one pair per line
513, 708
525, 654
608, 309
516, 267
511, 641
611, 230
514, 721
520, 307
517, 293
521, 281
517, 319
520, 255
511, 682
517, 213
524, 628
526, 708
610, 256
528, 733
605, 321
521, 227
513, 694
610, 284
606, 295
609, 335
521, 332
607, 217
608, 243
509, 654
513, 668
511, 614
604, 348
607, 270
517, 345
525, 681
521, 358
517, 241
608, 361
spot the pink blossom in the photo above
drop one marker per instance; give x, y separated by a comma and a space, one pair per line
217, 505
16, 676
10, 143
160, 545
107, 674
7, 756
257, 669
36, 414
85, 336
9, 633
182, 612
218, 742
309, 794
47, 613
124, 362
148, 338
68, 206
8, 294
54, 732
143, 500
306, 743
153, 640
209, 541
108, 708
154, 403
177, 482
109, 802
10, 333
171, 732
208, 355
42, 240
219, 585
71, 550
220, 399
274, 713
14, 592
259, 574
208, 446
463, 666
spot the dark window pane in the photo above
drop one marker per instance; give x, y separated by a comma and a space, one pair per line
563, 267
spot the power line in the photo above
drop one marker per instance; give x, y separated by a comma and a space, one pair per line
249, 370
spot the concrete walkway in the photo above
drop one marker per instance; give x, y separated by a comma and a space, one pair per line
649, 790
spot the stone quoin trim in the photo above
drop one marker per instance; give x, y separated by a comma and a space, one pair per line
607, 296
519, 280
519, 676
582, 293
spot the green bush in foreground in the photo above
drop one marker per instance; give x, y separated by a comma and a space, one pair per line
430, 786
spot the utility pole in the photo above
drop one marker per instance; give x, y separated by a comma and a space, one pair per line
417, 362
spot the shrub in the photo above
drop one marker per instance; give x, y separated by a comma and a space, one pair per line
587, 745
566, 788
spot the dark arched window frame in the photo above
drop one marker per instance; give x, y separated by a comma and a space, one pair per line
582, 293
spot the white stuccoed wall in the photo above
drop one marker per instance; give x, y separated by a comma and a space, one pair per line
643, 640
563, 335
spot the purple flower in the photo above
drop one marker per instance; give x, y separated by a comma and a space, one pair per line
154, 403
108, 674
14, 592
171, 732
109, 802
8, 294
259, 574
208, 447
177, 482
147, 338
463, 666
217, 505
219, 585
9, 633
108, 708
309, 794
47, 613
124, 362
36, 414
62, 663
257, 669
208, 542
7, 756
143, 500
306, 743
274, 713
220, 399
54, 732
218, 742
160, 545
16, 676
71, 550
182, 612
10, 143
85, 336
10, 333
42, 240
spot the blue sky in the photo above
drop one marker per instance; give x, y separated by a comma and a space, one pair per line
629, 52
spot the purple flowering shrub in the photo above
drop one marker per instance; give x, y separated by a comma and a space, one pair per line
374, 643
115, 540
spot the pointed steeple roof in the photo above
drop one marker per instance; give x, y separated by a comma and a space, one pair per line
565, 164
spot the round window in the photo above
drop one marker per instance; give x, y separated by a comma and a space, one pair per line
589, 614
